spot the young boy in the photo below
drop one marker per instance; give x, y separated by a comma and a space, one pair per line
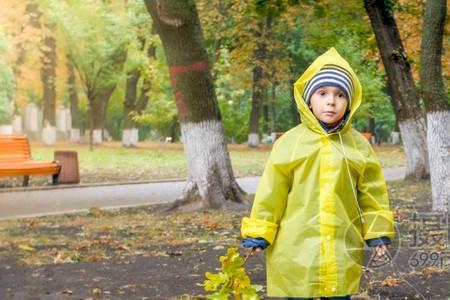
322, 194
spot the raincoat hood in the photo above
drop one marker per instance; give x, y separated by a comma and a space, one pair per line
331, 57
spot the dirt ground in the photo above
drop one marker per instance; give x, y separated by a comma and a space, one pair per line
140, 253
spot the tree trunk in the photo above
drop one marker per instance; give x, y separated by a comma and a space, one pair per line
372, 129
210, 182
294, 111
436, 102
95, 121
265, 110
73, 99
133, 103
273, 111
257, 88
130, 133
98, 103
17, 69
143, 97
403, 92
98, 98
371, 125
48, 75
130, 97
100, 106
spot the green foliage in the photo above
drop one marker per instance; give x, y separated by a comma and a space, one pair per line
6, 84
161, 113
234, 102
283, 108
375, 101
353, 41
99, 33
139, 37
390, 6
115, 111
272, 8
232, 280
159, 116
96, 36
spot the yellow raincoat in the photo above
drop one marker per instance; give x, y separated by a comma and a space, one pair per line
321, 196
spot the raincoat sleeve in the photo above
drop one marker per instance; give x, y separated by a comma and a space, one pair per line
269, 203
374, 202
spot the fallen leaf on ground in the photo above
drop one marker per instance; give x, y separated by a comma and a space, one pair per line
26, 248
67, 292
391, 281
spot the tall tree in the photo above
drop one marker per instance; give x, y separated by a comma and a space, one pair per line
404, 94
48, 76
210, 183
141, 53
135, 103
258, 85
73, 100
48, 73
436, 102
129, 106
234, 35
265, 57
96, 39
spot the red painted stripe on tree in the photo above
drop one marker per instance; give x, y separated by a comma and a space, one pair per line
197, 66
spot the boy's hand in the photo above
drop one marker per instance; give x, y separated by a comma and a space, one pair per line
380, 249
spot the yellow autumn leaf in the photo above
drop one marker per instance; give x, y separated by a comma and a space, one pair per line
25, 247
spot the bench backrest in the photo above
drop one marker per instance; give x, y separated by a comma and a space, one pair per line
14, 148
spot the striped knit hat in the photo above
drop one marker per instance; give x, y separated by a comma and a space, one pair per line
330, 75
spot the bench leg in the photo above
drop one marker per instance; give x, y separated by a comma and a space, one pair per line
26, 180
55, 178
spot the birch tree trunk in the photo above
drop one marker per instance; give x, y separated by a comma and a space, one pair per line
403, 92
98, 106
129, 107
210, 182
436, 102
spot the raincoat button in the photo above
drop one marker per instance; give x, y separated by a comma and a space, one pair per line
333, 289
326, 186
328, 237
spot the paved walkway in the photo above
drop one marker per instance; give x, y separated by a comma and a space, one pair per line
28, 202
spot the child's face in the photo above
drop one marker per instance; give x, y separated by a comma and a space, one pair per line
328, 104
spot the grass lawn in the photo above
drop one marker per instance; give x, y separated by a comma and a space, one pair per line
153, 161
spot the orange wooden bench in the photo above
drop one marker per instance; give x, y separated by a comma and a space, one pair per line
15, 160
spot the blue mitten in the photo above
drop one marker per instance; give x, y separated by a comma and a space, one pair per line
378, 241
255, 243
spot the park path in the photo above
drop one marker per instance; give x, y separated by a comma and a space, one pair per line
47, 200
